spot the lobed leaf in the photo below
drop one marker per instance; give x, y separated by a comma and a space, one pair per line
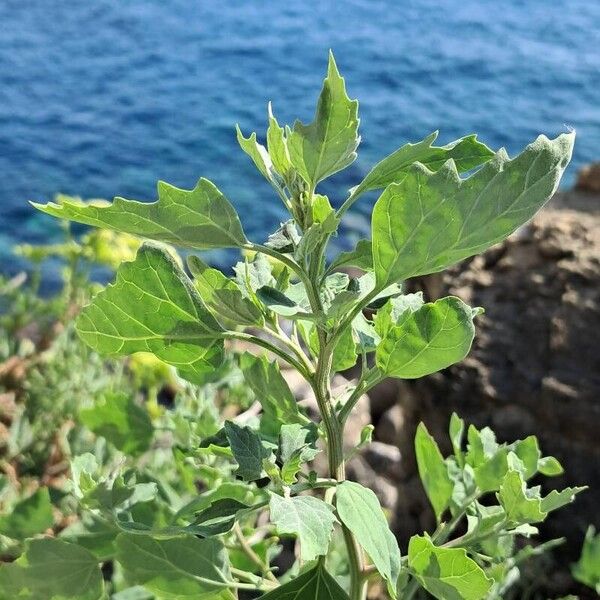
446, 573
270, 388
519, 506
277, 146
217, 518
587, 568
222, 296
28, 517
466, 152
329, 143
197, 218
309, 518
153, 307
247, 449
557, 499
432, 220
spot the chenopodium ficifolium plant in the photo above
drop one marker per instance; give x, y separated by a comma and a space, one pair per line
437, 206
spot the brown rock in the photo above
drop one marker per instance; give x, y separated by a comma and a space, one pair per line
534, 365
588, 178
385, 459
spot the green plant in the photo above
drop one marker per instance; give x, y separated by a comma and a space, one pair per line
587, 568
312, 317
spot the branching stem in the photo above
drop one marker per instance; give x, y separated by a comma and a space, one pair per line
249, 552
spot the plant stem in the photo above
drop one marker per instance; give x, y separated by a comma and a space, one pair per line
247, 337
335, 454
249, 552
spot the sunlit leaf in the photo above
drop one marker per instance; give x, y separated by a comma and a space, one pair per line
198, 218
466, 152
431, 338
432, 220
519, 505
153, 307
433, 471
359, 509
557, 499
446, 573
222, 296
587, 568
329, 143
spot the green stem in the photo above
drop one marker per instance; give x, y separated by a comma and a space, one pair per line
334, 429
366, 382
247, 337
249, 552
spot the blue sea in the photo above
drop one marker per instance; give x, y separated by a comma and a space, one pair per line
104, 97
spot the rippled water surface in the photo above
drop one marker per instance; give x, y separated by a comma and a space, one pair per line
104, 97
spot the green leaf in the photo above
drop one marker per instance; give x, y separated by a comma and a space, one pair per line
361, 257
432, 220
457, 432
183, 567
281, 304
153, 307
482, 446
247, 449
121, 421
94, 534
490, 474
550, 466
519, 506
28, 517
587, 569
277, 146
294, 450
51, 569
251, 276
270, 388
446, 573
285, 239
257, 152
316, 584
222, 296
218, 518
329, 143
345, 352
429, 339
396, 311
556, 499
294, 437
198, 218
308, 518
466, 152
433, 471
528, 451
359, 509
236, 490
